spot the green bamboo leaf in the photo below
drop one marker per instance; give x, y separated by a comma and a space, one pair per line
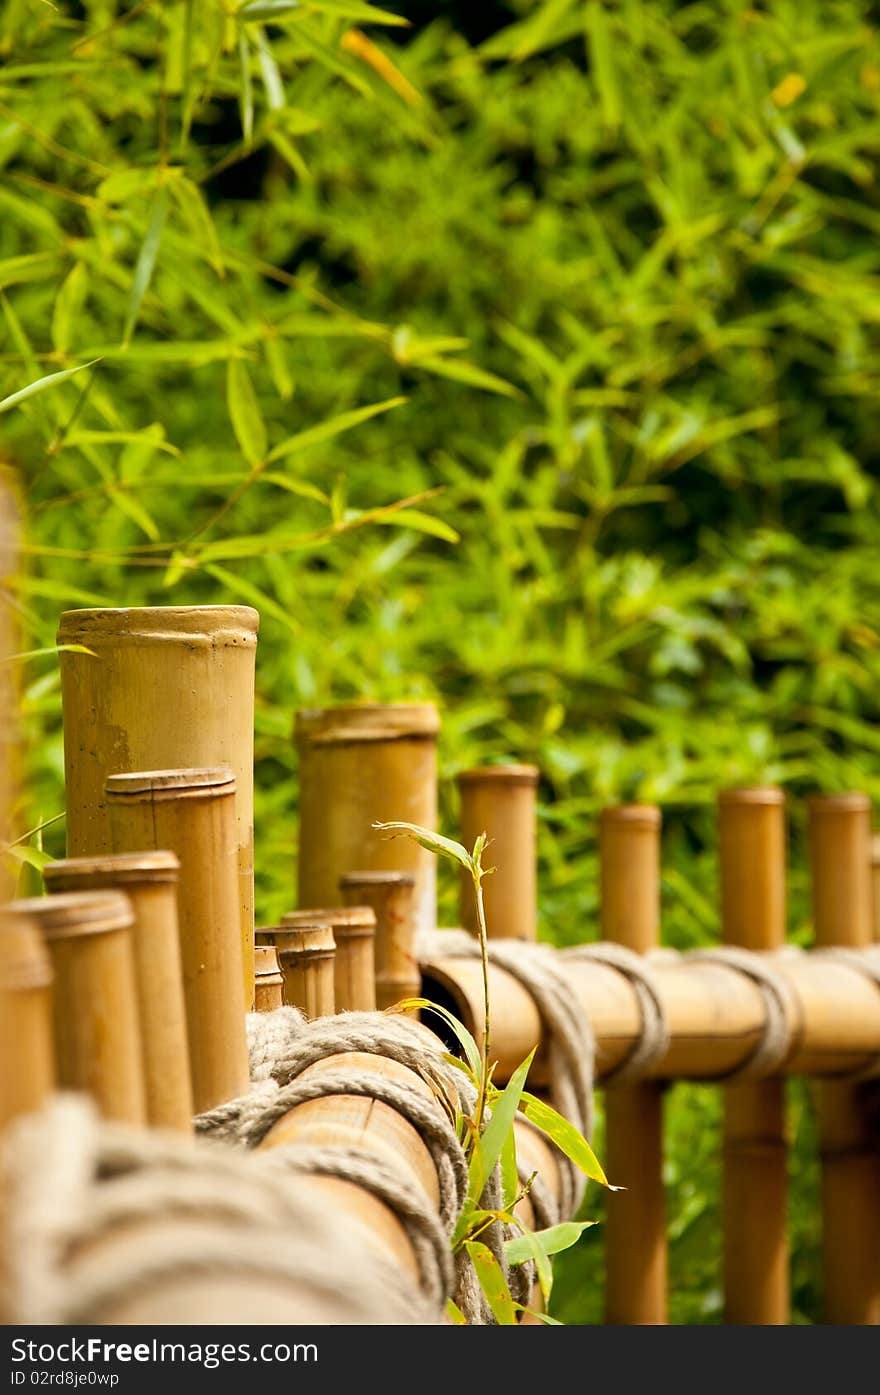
552, 1240
529, 1246
566, 1137
423, 523
461, 371
353, 9
488, 1146
492, 1282
245, 89
601, 52
300, 487
41, 384
194, 210
125, 184
269, 72
68, 304
509, 1173
143, 271
244, 412
267, 9
112, 438
276, 358
50, 649
469, 1046
335, 426
454, 1313
434, 842
30, 857
547, 1320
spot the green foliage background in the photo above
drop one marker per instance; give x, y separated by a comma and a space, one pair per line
620, 260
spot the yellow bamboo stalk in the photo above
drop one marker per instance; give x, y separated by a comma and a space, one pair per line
875, 882
307, 958
165, 687
755, 1182
191, 813
357, 765
28, 1071
635, 1228
500, 800
268, 979
849, 1135
95, 1023
354, 931
149, 879
390, 896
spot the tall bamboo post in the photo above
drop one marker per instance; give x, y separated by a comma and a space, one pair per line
354, 932
268, 979
849, 1112
755, 1184
95, 1024
359, 765
149, 879
635, 1230
390, 896
500, 800
875, 882
192, 813
164, 687
27, 1074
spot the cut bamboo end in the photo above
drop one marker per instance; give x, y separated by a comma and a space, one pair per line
390, 895
751, 828
25, 1017
268, 979
96, 1026
150, 882
499, 800
840, 856
354, 930
359, 765
191, 812
161, 687
307, 956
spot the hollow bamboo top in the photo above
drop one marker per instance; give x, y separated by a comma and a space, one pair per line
170, 784
640, 815
500, 774
112, 869
68, 914
752, 794
199, 624
851, 801
266, 962
307, 939
24, 961
353, 879
348, 922
366, 721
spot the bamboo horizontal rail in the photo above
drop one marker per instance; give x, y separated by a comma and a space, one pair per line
716, 1016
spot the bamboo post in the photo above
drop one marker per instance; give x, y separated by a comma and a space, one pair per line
168, 686
354, 931
28, 1073
500, 800
635, 1227
192, 813
849, 1126
359, 765
306, 957
94, 997
149, 879
755, 1184
390, 894
268, 979
875, 882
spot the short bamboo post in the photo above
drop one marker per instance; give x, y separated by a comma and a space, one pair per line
875, 882
751, 826
354, 931
168, 686
192, 813
359, 765
635, 1253
94, 997
849, 1127
500, 800
149, 879
390, 894
28, 1070
306, 955
268, 980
